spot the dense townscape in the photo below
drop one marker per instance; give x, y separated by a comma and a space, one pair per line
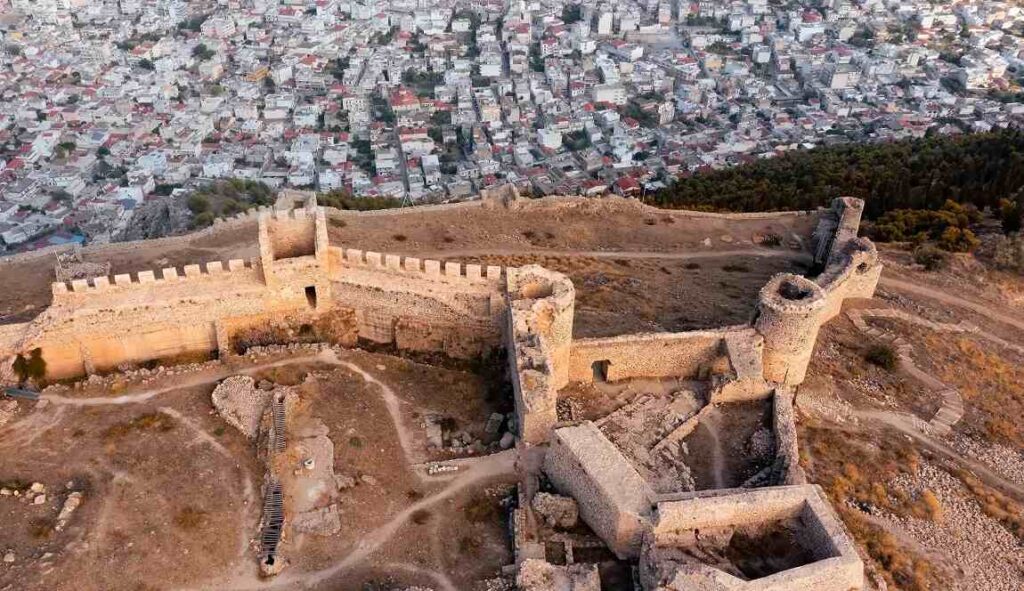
110, 105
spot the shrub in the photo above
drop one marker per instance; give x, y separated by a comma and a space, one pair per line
930, 257
883, 356
1008, 253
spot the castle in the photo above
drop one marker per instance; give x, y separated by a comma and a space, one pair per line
301, 279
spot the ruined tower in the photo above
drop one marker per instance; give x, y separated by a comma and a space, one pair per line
789, 313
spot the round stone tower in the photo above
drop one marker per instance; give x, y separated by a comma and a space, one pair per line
789, 312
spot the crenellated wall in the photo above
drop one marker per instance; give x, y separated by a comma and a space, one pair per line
105, 322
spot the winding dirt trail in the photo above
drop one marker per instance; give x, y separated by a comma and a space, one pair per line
492, 466
946, 298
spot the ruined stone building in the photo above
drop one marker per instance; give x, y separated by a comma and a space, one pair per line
345, 295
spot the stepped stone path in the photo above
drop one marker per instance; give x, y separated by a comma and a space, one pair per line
952, 409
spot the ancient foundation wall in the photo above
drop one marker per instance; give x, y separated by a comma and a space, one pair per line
614, 500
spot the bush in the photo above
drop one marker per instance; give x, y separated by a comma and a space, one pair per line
883, 356
930, 257
31, 368
1008, 253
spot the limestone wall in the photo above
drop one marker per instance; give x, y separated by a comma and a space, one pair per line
837, 565
104, 322
614, 500
687, 354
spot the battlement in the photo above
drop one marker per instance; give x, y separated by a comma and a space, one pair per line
428, 268
234, 268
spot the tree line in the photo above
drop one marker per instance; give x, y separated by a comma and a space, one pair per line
984, 170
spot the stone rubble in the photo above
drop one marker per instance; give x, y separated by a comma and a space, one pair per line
556, 510
983, 552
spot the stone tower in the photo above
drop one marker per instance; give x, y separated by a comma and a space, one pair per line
790, 311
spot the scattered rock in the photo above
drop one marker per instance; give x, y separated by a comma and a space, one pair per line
39, 500
70, 504
507, 440
321, 522
557, 511
537, 575
37, 487
9, 556
8, 408
367, 479
344, 482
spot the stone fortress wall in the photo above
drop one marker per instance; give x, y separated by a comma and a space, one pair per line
463, 311
765, 359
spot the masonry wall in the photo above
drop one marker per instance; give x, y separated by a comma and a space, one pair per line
687, 355
104, 322
614, 500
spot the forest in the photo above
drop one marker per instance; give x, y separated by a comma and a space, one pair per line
981, 169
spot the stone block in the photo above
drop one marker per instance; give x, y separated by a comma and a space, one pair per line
354, 255
122, 279
101, 283
147, 277
170, 274
412, 264
453, 270
493, 272
214, 267
432, 268
393, 261
80, 285
474, 272
236, 264
193, 271
374, 259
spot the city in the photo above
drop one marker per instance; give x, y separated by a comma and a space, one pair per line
113, 107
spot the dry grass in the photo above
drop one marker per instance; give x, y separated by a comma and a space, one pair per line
852, 471
995, 504
990, 385
190, 518
148, 422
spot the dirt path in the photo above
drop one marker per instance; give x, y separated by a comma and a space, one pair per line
200, 379
615, 254
935, 294
951, 409
248, 517
491, 466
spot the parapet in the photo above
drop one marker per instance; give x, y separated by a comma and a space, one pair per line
149, 279
422, 268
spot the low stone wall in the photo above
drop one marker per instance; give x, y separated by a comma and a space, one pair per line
687, 354
837, 565
614, 500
